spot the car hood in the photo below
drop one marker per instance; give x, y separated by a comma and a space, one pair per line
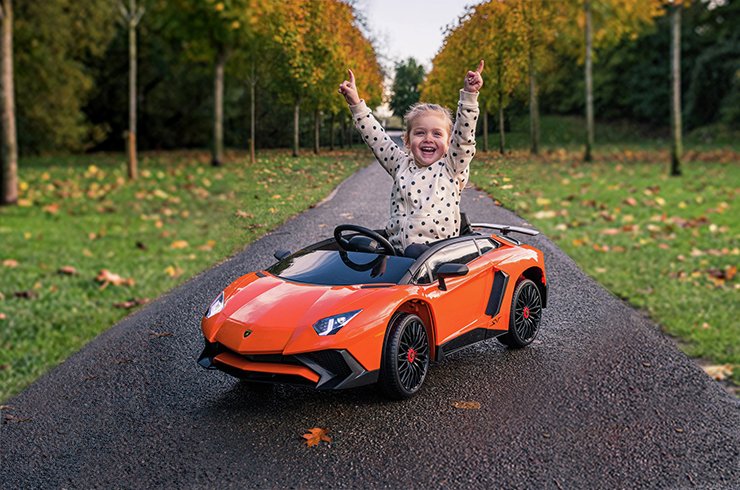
263, 314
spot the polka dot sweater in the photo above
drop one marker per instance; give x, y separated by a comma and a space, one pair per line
425, 201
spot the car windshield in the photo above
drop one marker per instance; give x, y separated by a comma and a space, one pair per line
339, 268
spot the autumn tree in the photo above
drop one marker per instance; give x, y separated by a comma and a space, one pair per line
212, 31
9, 145
405, 92
599, 25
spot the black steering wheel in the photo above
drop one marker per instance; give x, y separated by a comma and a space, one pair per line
345, 244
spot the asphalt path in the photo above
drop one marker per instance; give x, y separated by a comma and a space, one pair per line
600, 400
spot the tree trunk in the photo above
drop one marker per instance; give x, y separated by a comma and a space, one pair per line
501, 134
485, 130
9, 140
252, 91
316, 131
296, 124
342, 132
218, 110
589, 86
677, 146
534, 108
132, 22
331, 132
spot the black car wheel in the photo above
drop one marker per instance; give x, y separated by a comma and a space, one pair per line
406, 357
525, 316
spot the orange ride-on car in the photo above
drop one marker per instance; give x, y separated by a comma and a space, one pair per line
351, 310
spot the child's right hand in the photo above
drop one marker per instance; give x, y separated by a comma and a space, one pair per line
349, 89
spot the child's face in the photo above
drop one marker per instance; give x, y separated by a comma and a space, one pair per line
429, 138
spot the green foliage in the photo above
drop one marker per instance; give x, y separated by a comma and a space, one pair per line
54, 42
179, 218
406, 82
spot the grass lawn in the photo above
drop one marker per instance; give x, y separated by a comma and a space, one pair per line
78, 215
667, 245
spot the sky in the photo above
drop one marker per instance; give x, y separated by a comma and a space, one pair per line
411, 27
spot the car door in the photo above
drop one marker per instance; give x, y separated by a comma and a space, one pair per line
461, 307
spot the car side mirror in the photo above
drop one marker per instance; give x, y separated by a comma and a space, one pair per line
450, 269
280, 253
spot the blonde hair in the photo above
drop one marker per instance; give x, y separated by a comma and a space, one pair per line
419, 109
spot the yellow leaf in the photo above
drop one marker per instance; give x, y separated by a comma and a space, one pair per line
173, 271
466, 405
276, 196
315, 436
178, 244
719, 373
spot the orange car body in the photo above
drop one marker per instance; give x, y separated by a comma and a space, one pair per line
265, 331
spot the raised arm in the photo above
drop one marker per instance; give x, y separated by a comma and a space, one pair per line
388, 154
462, 148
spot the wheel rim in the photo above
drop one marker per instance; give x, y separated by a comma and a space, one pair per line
413, 356
527, 312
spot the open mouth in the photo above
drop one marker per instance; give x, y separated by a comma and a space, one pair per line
428, 150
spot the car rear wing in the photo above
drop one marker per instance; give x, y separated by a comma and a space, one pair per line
506, 229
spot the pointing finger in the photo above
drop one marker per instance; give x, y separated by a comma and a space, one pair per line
351, 76
480, 66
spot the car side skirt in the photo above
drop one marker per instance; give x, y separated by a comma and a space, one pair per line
466, 339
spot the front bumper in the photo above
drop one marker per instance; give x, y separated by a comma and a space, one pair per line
323, 370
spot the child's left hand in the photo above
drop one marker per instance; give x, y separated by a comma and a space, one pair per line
474, 80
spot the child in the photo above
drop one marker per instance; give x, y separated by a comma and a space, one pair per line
428, 181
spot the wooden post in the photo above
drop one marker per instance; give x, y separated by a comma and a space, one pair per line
131, 16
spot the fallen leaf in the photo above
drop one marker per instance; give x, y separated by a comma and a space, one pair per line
208, 246
106, 277
14, 418
141, 246
178, 244
466, 405
26, 294
67, 270
51, 208
3, 316
173, 271
719, 372
10, 263
159, 335
315, 436
611, 231
126, 305
243, 214
630, 201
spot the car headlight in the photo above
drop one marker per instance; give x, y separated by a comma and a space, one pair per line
331, 325
216, 306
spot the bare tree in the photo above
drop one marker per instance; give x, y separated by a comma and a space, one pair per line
9, 139
674, 9
131, 17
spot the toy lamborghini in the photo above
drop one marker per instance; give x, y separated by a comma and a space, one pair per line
351, 310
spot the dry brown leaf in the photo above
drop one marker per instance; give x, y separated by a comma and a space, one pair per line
26, 294
630, 201
106, 277
243, 214
178, 244
67, 270
208, 246
316, 435
719, 372
52, 208
10, 263
126, 305
611, 231
158, 335
466, 405
15, 418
